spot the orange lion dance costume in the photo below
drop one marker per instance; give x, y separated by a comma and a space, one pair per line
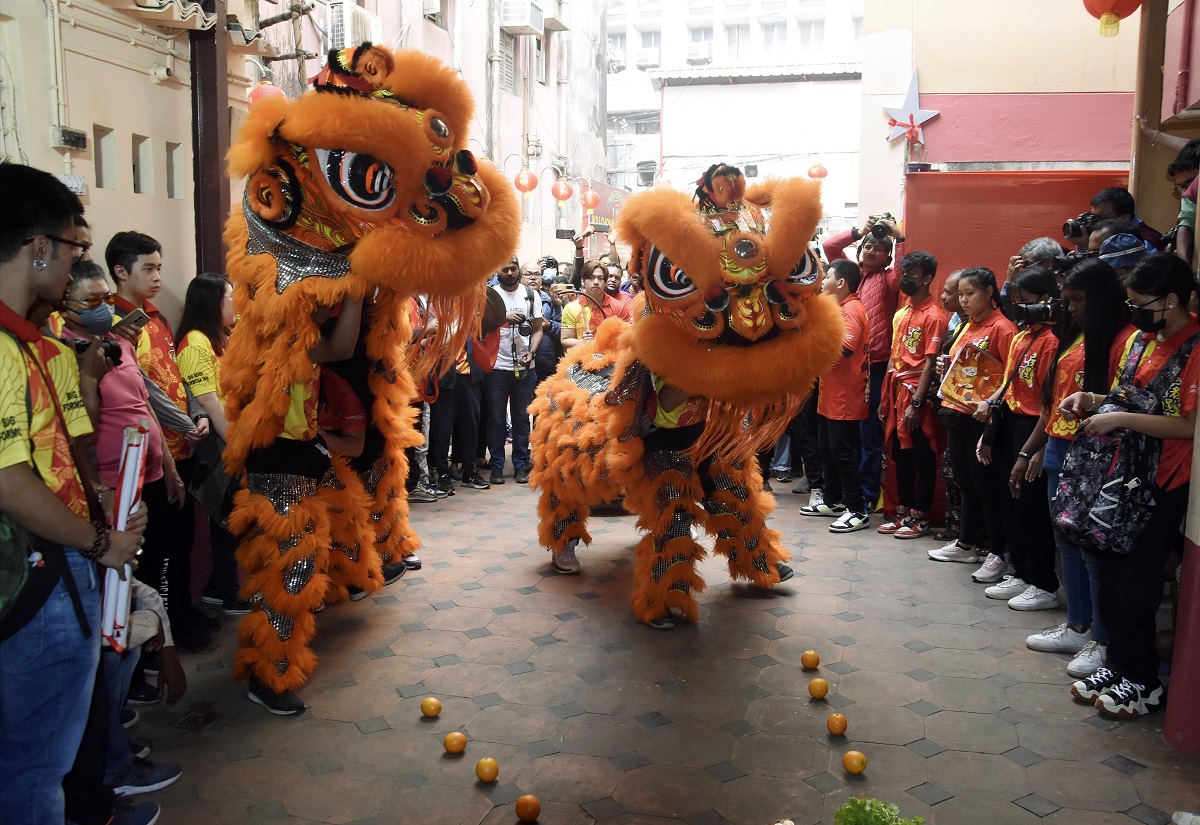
363, 189
730, 320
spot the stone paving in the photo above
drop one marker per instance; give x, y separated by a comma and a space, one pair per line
608, 721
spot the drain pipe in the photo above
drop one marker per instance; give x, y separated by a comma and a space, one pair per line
58, 103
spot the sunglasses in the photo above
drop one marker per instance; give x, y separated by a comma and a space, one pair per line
79, 247
92, 303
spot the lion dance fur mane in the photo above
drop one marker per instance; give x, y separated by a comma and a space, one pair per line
730, 316
362, 188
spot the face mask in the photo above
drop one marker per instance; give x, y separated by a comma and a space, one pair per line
909, 285
1144, 319
97, 320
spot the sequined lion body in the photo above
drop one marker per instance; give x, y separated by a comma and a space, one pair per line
731, 319
362, 189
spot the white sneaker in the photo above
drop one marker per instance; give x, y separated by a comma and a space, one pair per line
816, 497
1061, 639
994, 568
566, 561
1008, 587
849, 522
1093, 657
1034, 598
952, 552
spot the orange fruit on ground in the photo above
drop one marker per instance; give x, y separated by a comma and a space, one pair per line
810, 659
836, 724
528, 808
854, 762
818, 688
487, 770
431, 707
455, 742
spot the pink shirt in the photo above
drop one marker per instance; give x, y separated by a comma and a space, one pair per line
879, 292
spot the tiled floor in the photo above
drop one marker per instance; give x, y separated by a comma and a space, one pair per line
606, 720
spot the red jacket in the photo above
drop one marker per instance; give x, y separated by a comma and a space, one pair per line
879, 292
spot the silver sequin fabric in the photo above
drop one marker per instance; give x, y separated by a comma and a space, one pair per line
294, 260
282, 490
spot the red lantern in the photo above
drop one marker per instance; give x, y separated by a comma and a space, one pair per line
264, 90
1111, 13
590, 199
817, 171
561, 190
525, 181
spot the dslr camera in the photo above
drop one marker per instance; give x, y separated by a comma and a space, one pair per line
1030, 314
108, 348
1080, 226
1063, 264
524, 329
879, 228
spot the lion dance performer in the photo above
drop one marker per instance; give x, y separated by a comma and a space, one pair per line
727, 342
359, 194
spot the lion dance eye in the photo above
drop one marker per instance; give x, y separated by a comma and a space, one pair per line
357, 178
666, 279
805, 272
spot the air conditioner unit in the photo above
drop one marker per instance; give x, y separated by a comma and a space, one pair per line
432, 10
699, 53
521, 17
556, 15
648, 59
352, 25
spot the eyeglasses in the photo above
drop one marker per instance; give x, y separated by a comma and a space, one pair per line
79, 246
1131, 305
1179, 187
92, 303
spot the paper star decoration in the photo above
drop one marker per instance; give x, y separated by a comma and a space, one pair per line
906, 121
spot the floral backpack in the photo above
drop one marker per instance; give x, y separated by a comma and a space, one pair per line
1107, 492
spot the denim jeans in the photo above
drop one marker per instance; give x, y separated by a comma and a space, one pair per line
47, 672
1078, 566
509, 396
871, 430
118, 673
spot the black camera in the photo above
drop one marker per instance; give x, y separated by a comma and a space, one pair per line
108, 348
879, 228
1030, 314
524, 329
1063, 264
1080, 226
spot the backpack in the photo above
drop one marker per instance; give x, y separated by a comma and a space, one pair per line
1107, 492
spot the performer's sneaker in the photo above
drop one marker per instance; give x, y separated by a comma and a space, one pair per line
392, 571
567, 562
1088, 690
1128, 700
280, 704
849, 522
144, 776
412, 561
666, 622
785, 572
236, 606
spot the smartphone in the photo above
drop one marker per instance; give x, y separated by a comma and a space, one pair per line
564, 234
600, 228
135, 320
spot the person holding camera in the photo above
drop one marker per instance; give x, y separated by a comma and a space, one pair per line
591, 307
510, 384
880, 296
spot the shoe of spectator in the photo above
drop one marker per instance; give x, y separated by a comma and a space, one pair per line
144, 776
802, 487
129, 718
212, 597
235, 606
890, 526
994, 569
1093, 657
144, 813
201, 620
446, 485
280, 704
783, 476
421, 494
140, 750
1034, 598
475, 482
1060, 639
666, 622
567, 562
481, 464
767, 485
785, 572
412, 561
913, 527
1089, 689
849, 522
456, 472
823, 509
947, 535
521, 475
142, 695
1129, 700
816, 497
190, 638
1008, 587
437, 491
497, 477
1185, 818
150, 664
393, 570
954, 552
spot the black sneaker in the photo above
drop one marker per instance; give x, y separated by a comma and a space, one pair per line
151, 662
446, 485
1089, 690
392, 571
237, 607
144, 776
1129, 700
666, 622
142, 695
211, 597
783, 476
129, 718
280, 704
140, 750
785, 572
767, 486
497, 477
199, 619
521, 476
475, 482
143, 813
456, 472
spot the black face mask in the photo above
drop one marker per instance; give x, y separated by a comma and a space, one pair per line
909, 284
1144, 319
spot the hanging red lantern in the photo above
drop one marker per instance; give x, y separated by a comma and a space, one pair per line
1111, 13
562, 190
264, 90
525, 181
590, 199
818, 171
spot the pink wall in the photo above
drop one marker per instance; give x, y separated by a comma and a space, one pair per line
1028, 127
1172, 60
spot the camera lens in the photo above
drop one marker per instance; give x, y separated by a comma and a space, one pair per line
879, 231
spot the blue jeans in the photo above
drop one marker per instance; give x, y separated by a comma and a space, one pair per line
118, 673
509, 395
871, 430
47, 672
1078, 566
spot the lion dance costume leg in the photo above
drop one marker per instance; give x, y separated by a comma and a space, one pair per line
729, 337
368, 168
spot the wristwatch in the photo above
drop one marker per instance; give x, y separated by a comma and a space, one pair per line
916, 402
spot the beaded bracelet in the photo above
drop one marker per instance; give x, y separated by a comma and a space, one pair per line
100, 545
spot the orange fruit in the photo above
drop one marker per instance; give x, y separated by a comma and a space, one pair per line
528, 808
836, 724
818, 688
455, 742
431, 707
487, 770
854, 762
810, 659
